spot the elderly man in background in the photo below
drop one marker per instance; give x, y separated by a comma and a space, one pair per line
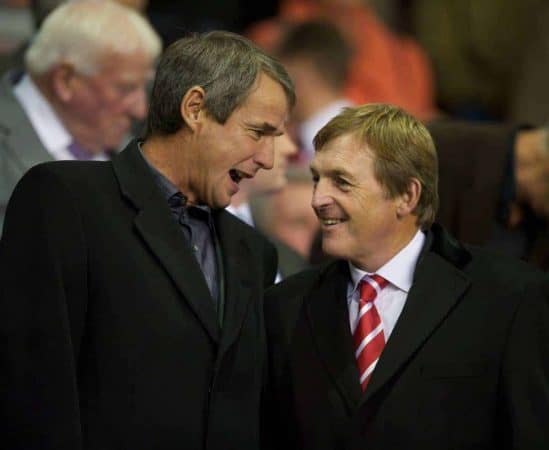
84, 84
142, 326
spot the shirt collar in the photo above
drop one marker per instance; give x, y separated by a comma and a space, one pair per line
243, 212
47, 125
49, 128
399, 270
167, 188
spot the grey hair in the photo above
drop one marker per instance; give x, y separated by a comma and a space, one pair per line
82, 32
224, 64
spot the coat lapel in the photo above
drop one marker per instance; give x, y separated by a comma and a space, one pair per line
237, 257
162, 235
438, 285
327, 311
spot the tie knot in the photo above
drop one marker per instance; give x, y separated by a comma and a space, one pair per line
371, 286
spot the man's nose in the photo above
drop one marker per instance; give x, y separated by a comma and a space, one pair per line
321, 195
265, 154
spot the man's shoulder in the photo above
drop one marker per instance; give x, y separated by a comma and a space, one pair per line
69, 169
74, 176
481, 265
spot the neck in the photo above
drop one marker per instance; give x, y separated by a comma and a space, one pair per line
167, 154
388, 250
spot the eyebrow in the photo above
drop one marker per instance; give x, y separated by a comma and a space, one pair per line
267, 128
333, 173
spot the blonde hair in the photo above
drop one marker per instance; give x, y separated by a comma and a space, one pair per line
82, 32
402, 146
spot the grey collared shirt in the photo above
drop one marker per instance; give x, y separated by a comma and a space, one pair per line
197, 225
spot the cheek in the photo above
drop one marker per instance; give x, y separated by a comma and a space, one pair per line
94, 109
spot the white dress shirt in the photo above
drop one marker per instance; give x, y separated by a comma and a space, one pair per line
243, 212
53, 135
399, 272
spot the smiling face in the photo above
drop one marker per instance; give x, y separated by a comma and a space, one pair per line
359, 222
224, 154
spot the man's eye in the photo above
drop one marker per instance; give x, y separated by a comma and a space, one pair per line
257, 134
342, 183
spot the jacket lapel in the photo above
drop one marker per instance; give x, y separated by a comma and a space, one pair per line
237, 257
162, 235
438, 285
327, 311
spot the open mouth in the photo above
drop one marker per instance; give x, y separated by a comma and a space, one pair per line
237, 176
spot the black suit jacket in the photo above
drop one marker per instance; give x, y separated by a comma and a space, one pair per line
466, 366
109, 334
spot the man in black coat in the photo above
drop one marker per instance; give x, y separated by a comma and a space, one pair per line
409, 339
130, 301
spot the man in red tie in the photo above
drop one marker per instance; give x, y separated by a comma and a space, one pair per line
409, 340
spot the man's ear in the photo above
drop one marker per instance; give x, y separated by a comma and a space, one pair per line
408, 201
64, 79
192, 107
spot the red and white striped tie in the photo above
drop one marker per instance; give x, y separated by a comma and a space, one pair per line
368, 337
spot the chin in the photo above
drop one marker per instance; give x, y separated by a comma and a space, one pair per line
334, 249
220, 203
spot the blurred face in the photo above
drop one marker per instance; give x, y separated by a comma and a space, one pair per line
305, 79
275, 179
225, 154
103, 106
294, 222
358, 221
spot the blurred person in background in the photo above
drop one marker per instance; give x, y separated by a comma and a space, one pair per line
83, 87
266, 184
39, 10
386, 67
317, 57
494, 187
490, 58
287, 215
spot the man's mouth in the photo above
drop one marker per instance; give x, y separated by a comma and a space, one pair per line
237, 175
327, 222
